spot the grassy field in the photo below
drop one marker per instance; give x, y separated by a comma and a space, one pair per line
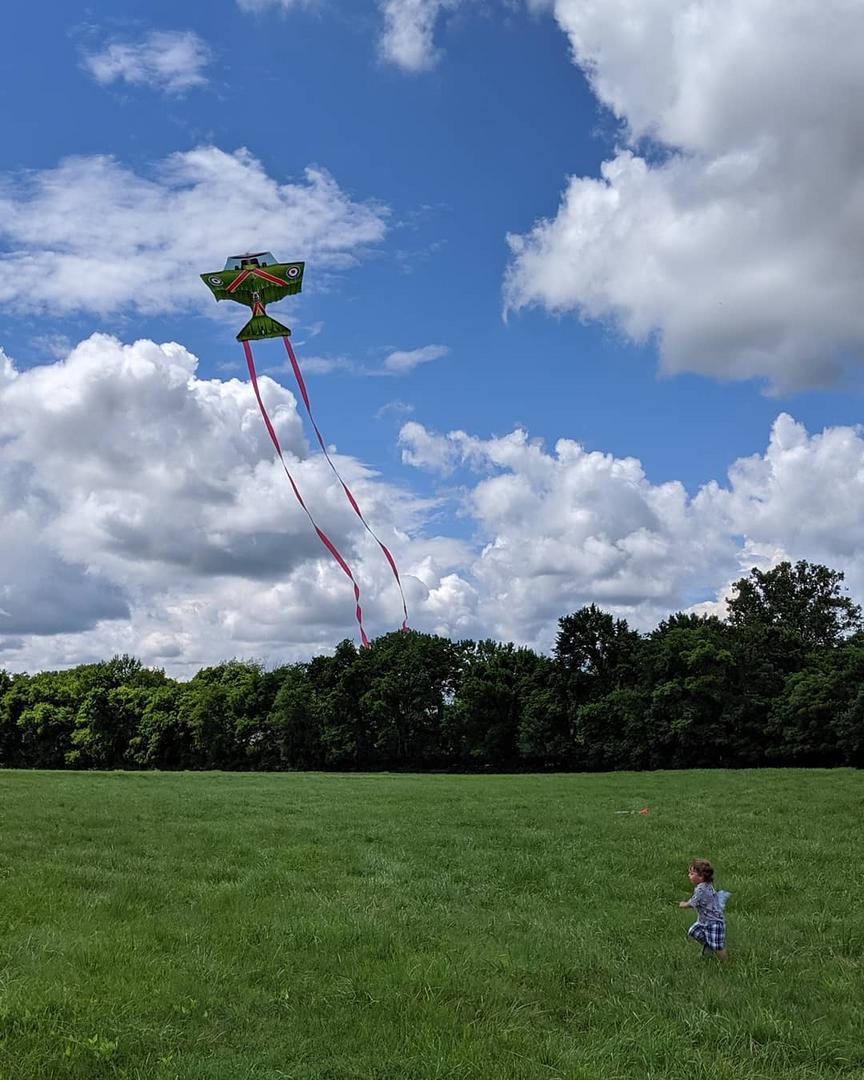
218, 926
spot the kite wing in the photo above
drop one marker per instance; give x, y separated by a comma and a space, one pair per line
271, 283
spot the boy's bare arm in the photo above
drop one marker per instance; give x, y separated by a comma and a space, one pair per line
684, 903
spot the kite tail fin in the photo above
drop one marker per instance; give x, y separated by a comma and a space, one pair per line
262, 326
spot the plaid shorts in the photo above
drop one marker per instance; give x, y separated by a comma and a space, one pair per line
712, 935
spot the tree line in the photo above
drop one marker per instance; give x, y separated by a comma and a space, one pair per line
780, 681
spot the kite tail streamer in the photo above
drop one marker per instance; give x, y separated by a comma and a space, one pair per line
322, 536
298, 374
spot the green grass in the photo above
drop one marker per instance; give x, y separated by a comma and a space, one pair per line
221, 926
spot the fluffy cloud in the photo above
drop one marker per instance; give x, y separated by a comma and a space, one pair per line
439, 453
168, 60
738, 247
408, 31
732, 241
801, 499
143, 509
40, 591
561, 529
91, 235
407, 34
409, 28
557, 530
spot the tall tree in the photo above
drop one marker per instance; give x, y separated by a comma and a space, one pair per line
409, 679
224, 708
780, 616
597, 657
819, 717
340, 684
596, 649
805, 603
105, 723
294, 723
10, 732
485, 718
691, 668
163, 740
617, 731
44, 706
545, 738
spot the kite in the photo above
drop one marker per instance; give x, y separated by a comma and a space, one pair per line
257, 279
246, 280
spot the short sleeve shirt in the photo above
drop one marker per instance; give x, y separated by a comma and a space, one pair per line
707, 904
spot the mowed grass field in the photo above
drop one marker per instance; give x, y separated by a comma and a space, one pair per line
218, 926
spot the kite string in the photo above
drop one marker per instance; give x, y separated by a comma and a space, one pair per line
322, 536
301, 383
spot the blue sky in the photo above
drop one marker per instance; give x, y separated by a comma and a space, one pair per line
680, 272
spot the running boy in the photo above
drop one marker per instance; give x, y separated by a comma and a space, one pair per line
710, 926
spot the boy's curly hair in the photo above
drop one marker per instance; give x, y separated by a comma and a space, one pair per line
703, 868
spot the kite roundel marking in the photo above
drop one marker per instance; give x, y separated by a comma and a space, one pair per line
293, 271
215, 280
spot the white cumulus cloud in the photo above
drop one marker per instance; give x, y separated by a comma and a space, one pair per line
144, 509
738, 248
92, 235
144, 512
559, 529
168, 60
556, 530
802, 498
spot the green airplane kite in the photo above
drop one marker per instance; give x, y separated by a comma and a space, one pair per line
255, 280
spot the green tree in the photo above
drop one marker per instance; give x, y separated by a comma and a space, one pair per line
545, 737
46, 732
339, 683
163, 739
818, 720
294, 726
804, 604
486, 716
596, 655
780, 617
408, 679
44, 707
616, 731
597, 651
225, 708
12, 703
691, 672
105, 723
